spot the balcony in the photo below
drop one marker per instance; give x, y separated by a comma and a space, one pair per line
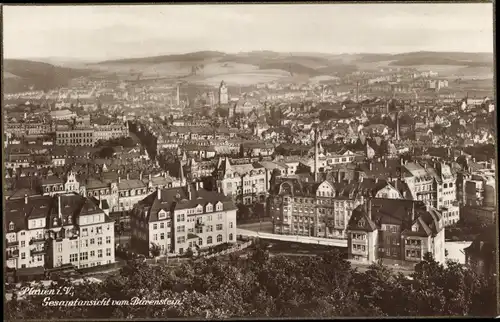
12, 243
37, 240
359, 252
35, 252
13, 254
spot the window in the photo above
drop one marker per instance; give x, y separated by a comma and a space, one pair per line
210, 228
181, 240
59, 247
219, 216
230, 236
92, 253
231, 224
108, 239
92, 241
219, 238
155, 237
11, 226
108, 252
155, 226
209, 240
23, 243
162, 225
85, 232
84, 256
219, 227
23, 255
73, 258
99, 253
99, 241
200, 241
162, 236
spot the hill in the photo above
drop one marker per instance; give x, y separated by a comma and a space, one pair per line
246, 67
25, 74
431, 58
189, 57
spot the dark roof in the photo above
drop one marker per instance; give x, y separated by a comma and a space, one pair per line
178, 198
397, 212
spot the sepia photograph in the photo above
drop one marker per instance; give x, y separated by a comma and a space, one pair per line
249, 161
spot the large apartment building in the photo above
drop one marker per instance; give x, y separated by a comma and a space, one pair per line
181, 218
51, 231
89, 136
246, 183
395, 231
433, 183
321, 209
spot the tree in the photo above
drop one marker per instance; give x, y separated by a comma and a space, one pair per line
155, 250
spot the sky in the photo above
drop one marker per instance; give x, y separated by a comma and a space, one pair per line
110, 32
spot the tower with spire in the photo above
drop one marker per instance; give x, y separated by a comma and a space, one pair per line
317, 135
182, 178
223, 95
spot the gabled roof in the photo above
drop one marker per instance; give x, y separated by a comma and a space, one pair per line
178, 198
399, 212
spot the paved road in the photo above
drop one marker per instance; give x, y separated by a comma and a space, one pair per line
265, 227
298, 239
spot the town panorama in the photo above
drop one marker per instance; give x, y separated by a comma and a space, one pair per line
254, 184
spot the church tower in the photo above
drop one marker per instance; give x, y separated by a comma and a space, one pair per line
223, 95
317, 135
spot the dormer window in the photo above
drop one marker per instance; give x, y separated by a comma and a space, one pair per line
414, 228
199, 209
55, 222
361, 222
70, 220
162, 215
210, 207
11, 226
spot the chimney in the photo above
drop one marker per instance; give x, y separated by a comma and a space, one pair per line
200, 184
59, 213
376, 180
188, 186
412, 211
402, 161
119, 179
140, 176
360, 179
158, 193
25, 199
371, 166
385, 162
128, 176
149, 177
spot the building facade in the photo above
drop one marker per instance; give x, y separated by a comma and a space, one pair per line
174, 220
395, 231
59, 230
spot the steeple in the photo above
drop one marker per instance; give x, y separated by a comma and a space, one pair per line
181, 174
316, 152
